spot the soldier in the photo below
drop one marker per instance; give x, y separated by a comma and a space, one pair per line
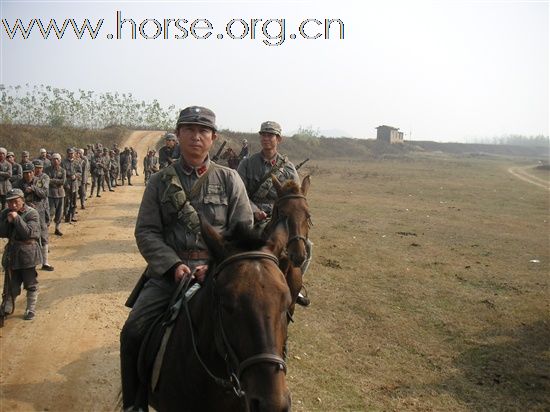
20, 224
106, 161
170, 241
113, 168
35, 187
243, 154
43, 156
170, 151
134, 157
24, 157
74, 175
126, 166
85, 166
98, 171
116, 151
256, 173
5, 174
150, 165
16, 170
56, 195
257, 169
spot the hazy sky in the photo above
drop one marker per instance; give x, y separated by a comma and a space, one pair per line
445, 70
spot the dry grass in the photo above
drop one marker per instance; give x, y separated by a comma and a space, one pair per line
424, 293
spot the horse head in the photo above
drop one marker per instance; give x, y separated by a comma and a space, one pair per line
250, 299
291, 204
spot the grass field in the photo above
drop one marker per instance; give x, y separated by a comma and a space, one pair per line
429, 288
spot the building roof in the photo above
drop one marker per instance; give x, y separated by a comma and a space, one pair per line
388, 127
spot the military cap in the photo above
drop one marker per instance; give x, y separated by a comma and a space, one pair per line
170, 136
3, 150
245, 141
70, 150
198, 115
24, 153
10, 154
37, 163
27, 167
270, 127
56, 156
14, 194
43, 151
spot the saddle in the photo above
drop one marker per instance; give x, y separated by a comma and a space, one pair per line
153, 346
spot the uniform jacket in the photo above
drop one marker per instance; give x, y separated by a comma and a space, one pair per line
16, 173
37, 198
22, 250
57, 181
161, 234
253, 169
5, 174
73, 168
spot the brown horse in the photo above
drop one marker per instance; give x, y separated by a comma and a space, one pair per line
226, 351
291, 206
231, 157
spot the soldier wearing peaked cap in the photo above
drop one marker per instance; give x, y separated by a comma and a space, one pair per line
168, 232
35, 187
72, 183
56, 195
16, 170
170, 151
20, 224
256, 173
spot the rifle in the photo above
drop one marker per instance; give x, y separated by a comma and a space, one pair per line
219, 152
302, 163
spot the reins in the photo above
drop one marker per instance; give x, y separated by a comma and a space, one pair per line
236, 372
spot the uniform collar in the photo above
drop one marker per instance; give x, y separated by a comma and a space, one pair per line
199, 171
272, 161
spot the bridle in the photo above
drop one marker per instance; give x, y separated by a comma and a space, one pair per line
296, 237
235, 368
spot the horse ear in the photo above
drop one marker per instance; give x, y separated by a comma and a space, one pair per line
277, 185
213, 240
279, 238
305, 185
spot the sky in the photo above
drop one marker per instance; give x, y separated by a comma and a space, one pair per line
438, 70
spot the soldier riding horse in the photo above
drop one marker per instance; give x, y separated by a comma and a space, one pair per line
226, 348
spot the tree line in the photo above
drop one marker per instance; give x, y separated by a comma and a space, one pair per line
44, 105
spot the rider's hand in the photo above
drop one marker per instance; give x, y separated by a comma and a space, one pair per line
182, 271
260, 215
200, 272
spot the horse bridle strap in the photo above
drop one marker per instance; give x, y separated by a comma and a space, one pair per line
261, 358
294, 196
245, 255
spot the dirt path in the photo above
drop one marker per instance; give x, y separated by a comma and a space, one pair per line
521, 173
67, 358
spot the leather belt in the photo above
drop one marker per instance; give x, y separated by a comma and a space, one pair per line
194, 254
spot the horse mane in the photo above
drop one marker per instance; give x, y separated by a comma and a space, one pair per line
243, 237
291, 187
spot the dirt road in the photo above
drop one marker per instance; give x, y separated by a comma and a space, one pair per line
67, 358
522, 174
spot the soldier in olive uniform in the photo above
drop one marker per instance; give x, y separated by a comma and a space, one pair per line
74, 174
85, 166
126, 166
170, 152
98, 171
113, 168
35, 187
20, 224
256, 173
16, 170
5, 174
56, 195
150, 165
24, 157
171, 242
43, 157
